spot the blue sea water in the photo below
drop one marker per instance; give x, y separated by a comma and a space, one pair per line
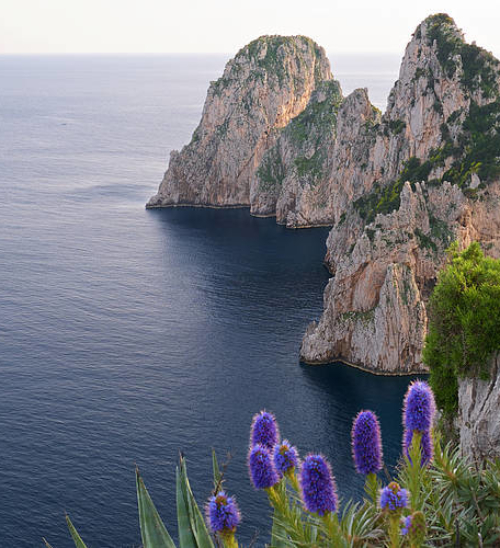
129, 335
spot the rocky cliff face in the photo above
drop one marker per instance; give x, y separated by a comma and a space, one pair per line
291, 182
477, 421
423, 175
277, 136
266, 85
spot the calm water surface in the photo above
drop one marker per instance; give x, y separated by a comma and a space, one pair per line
128, 335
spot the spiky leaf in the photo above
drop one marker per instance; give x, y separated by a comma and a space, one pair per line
193, 532
154, 534
74, 534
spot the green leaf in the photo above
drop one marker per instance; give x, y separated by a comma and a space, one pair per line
46, 543
154, 534
193, 532
74, 534
217, 473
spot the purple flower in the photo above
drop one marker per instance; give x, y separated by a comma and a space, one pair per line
393, 497
222, 513
426, 446
285, 457
262, 471
406, 525
366, 443
317, 485
264, 430
419, 407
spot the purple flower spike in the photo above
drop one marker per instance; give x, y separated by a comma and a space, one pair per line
406, 525
426, 446
366, 443
317, 485
419, 407
393, 497
262, 471
285, 457
222, 513
264, 430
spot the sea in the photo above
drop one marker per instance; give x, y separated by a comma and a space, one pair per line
129, 336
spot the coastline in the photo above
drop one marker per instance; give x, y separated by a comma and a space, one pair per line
361, 367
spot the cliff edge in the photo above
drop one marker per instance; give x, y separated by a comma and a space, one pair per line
430, 171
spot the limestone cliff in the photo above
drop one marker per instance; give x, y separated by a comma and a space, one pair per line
477, 422
267, 84
292, 181
425, 174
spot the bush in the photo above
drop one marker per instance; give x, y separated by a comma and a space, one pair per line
464, 322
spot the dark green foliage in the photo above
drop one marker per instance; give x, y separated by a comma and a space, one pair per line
312, 129
396, 126
481, 142
478, 65
271, 172
384, 199
425, 241
319, 116
464, 322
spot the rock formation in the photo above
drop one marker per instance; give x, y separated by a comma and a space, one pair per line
268, 83
291, 182
477, 421
277, 136
430, 174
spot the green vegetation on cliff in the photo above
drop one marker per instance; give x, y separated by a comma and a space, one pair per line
309, 135
474, 149
464, 322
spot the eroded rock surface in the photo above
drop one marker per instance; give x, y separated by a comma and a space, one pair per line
268, 83
430, 175
478, 409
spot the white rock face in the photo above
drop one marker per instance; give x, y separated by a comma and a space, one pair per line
390, 236
268, 83
478, 419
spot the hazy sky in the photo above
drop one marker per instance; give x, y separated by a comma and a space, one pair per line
67, 26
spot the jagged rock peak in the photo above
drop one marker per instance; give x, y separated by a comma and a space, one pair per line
268, 83
426, 173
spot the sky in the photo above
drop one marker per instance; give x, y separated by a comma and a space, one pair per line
223, 26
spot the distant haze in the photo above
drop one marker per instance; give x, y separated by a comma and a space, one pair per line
201, 26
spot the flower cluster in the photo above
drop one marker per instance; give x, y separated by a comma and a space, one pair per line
419, 407
262, 470
271, 460
418, 417
222, 513
319, 493
366, 443
393, 498
285, 457
414, 528
406, 525
264, 430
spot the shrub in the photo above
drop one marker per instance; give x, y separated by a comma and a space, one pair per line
464, 322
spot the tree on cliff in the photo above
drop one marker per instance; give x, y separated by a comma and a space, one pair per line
464, 322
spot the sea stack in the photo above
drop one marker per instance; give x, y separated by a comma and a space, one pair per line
268, 83
430, 169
